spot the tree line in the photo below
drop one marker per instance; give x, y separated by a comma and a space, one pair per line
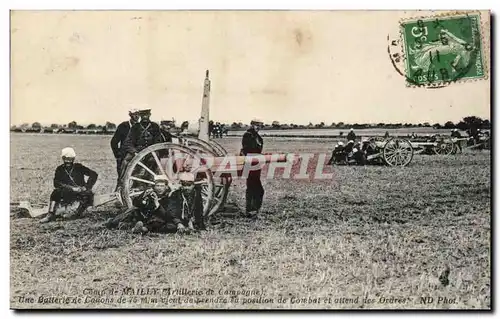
466, 123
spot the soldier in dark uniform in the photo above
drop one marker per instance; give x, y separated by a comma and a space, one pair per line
119, 137
141, 135
70, 185
252, 143
166, 136
351, 136
163, 210
187, 202
456, 134
150, 211
210, 128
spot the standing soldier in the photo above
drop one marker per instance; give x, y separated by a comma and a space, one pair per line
141, 135
456, 134
252, 143
351, 136
70, 185
119, 138
166, 136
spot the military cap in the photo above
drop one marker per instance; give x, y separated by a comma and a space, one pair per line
68, 152
161, 178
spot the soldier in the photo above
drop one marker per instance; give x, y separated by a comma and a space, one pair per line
187, 202
338, 155
252, 143
141, 135
119, 138
456, 134
70, 185
351, 136
166, 136
163, 209
150, 211
210, 128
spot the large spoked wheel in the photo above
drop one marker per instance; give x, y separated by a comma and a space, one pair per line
397, 152
222, 183
219, 149
201, 144
170, 160
444, 148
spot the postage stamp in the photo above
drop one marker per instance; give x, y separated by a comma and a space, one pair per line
443, 49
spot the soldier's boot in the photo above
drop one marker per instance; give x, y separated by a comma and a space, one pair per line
51, 216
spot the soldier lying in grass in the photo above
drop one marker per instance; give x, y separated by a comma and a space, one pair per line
162, 209
72, 194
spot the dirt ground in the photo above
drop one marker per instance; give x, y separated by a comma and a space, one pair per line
370, 237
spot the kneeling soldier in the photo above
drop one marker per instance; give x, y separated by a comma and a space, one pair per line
70, 185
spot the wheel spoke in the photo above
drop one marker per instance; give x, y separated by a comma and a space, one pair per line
141, 180
390, 157
157, 160
146, 168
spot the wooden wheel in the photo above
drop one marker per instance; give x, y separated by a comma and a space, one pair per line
222, 183
444, 147
221, 151
397, 152
166, 159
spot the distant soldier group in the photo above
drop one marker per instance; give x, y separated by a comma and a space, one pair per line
217, 130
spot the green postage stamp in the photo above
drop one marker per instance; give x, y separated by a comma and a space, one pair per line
443, 49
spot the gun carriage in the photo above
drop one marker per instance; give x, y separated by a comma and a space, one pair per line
204, 158
391, 152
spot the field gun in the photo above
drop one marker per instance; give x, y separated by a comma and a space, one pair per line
196, 147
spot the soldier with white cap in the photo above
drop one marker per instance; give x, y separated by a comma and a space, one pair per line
351, 136
338, 155
70, 185
119, 138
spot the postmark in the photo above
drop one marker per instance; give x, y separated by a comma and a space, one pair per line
436, 51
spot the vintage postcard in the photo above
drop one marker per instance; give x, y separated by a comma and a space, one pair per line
250, 160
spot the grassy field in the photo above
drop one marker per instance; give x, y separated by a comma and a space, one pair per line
372, 237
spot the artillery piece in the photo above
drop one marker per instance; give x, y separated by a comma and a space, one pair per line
391, 152
447, 145
199, 156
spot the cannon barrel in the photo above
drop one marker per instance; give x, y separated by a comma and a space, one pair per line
231, 163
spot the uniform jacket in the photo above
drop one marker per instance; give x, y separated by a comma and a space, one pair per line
142, 135
456, 134
351, 136
119, 138
252, 142
68, 178
163, 212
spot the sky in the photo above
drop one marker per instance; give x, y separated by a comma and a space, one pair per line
290, 66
